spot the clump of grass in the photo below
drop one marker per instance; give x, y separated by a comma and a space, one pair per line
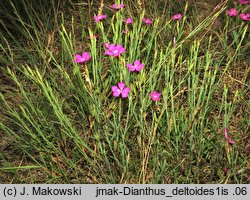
69, 127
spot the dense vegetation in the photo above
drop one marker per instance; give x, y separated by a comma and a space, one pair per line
183, 118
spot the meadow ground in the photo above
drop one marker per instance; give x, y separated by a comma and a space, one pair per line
152, 92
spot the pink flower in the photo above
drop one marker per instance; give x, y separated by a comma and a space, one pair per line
82, 58
245, 17
116, 7
232, 12
120, 89
136, 67
98, 18
125, 31
112, 50
128, 21
227, 137
177, 16
155, 96
244, 1
147, 21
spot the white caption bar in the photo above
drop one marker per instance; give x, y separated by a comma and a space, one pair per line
123, 191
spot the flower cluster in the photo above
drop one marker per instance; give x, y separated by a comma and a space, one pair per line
116, 50
121, 89
233, 12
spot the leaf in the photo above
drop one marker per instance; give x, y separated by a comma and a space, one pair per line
21, 167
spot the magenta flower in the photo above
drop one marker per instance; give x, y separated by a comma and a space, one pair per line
232, 12
116, 7
112, 50
98, 18
128, 21
227, 137
177, 16
82, 58
147, 21
155, 96
244, 1
245, 17
120, 89
136, 67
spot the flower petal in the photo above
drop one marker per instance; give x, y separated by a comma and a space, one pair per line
115, 89
79, 59
106, 45
130, 67
121, 85
122, 50
111, 47
116, 94
108, 52
125, 92
137, 62
139, 67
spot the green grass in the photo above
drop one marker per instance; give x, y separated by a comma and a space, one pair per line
61, 124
